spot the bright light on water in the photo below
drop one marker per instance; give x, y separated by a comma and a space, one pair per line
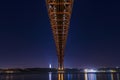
50, 76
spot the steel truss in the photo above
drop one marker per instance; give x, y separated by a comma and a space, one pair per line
59, 14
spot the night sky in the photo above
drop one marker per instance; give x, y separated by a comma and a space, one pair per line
26, 38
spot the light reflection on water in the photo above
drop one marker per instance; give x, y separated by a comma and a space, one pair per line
69, 77
61, 76
91, 76
118, 77
7, 77
112, 78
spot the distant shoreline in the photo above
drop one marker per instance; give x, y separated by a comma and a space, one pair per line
54, 70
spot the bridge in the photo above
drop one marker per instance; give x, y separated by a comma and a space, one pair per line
60, 13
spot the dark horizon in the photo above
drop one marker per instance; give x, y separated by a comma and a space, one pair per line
26, 38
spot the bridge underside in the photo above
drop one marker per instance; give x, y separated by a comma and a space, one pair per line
59, 14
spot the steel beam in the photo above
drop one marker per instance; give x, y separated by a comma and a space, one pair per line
59, 13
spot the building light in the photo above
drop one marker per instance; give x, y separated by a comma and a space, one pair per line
50, 66
90, 70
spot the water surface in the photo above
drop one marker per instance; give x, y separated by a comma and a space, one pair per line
55, 76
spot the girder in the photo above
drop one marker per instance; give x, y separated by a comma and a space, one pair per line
59, 13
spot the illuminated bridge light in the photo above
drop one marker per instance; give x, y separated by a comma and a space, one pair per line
59, 13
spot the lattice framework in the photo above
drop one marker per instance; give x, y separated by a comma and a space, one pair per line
59, 14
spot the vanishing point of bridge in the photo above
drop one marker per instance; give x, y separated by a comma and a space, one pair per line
59, 14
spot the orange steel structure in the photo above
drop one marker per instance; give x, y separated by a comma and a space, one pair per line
59, 14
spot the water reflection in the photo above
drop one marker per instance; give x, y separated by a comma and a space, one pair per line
60, 76
69, 76
118, 77
112, 76
9, 77
90, 76
86, 76
50, 76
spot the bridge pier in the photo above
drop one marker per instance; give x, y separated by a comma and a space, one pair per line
60, 64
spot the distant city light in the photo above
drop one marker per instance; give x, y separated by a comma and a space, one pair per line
50, 66
90, 70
